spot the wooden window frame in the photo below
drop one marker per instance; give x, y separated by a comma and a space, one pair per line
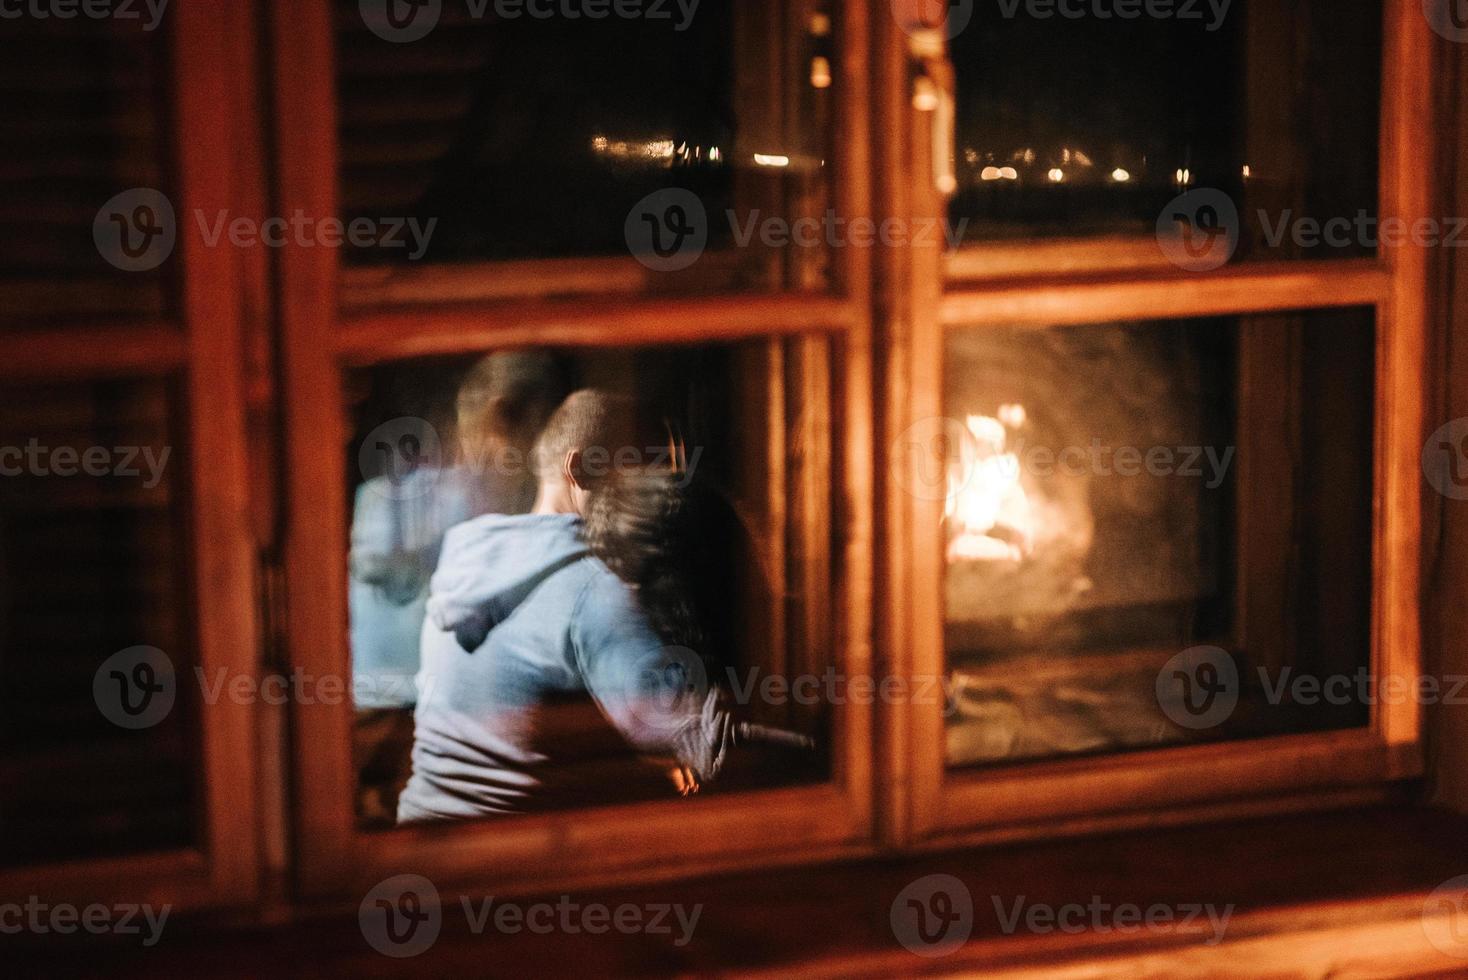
891, 782
202, 346
331, 322
1103, 280
335, 318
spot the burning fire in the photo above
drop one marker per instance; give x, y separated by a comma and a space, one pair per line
987, 509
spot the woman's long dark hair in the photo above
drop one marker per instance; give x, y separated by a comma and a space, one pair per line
641, 524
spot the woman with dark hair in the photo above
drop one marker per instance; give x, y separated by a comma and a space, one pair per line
545, 677
670, 538
640, 525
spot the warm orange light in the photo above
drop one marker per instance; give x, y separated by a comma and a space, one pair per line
820, 72
985, 495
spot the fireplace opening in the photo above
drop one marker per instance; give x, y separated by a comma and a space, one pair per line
1137, 514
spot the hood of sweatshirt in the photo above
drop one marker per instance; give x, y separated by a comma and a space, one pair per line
491, 564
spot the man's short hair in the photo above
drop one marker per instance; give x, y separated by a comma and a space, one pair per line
509, 393
588, 419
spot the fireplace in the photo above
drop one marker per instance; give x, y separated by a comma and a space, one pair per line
1118, 496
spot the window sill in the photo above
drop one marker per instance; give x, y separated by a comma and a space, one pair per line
1313, 895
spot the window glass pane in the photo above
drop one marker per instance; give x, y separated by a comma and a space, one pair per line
1083, 121
545, 614
84, 181
98, 743
1157, 533
507, 131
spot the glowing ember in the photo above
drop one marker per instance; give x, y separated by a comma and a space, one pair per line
987, 509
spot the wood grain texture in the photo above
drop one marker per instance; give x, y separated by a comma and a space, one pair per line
224, 554
375, 287
371, 337
304, 83
1248, 288
1316, 895
1408, 124
1112, 254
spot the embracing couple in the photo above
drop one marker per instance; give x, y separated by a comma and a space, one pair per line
551, 669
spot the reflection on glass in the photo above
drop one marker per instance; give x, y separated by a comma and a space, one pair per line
568, 577
1082, 125
83, 110
97, 753
535, 136
1153, 530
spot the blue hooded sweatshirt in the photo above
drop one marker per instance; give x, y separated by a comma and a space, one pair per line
541, 681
